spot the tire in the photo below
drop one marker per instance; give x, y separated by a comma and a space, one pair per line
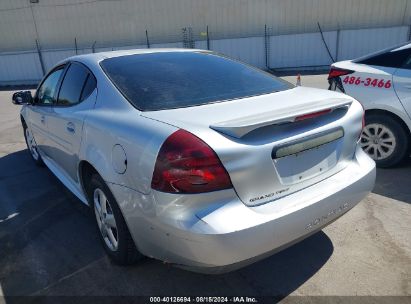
115, 236
32, 146
385, 140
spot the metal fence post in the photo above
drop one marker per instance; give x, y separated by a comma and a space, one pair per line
337, 45
93, 47
184, 31
208, 39
43, 70
147, 40
267, 47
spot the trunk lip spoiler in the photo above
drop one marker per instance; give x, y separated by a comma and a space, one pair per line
241, 126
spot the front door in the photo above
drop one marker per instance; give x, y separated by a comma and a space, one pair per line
402, 86
40, 111
76, 97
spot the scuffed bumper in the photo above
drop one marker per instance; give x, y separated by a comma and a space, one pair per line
226, 234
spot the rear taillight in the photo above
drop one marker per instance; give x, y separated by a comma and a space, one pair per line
186, 164
337, 72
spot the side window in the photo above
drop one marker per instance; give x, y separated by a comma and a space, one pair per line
393, 59
89, 87
407, 64
47, 90
74, 84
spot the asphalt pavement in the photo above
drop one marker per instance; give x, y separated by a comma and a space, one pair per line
49, 244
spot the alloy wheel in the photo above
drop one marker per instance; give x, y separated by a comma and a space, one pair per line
105, 219
378, 141
31, 143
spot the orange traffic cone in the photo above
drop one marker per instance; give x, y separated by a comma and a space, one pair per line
298, 80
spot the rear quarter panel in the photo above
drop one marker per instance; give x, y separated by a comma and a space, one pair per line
113, 122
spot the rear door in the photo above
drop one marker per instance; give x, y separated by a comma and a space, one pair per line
402, 85
41, 110
77, 95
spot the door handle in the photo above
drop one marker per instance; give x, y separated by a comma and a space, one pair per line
43, 119
70, 127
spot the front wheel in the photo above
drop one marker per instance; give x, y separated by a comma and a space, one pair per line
385, 140
114, 232
32, 146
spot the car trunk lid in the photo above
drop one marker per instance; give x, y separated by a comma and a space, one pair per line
275, 144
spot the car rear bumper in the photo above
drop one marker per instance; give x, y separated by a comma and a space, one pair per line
228, 235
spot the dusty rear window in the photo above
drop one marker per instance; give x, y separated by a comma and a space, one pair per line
157, 81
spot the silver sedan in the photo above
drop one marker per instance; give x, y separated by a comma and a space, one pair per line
193, 158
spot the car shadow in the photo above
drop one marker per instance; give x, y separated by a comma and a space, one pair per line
395, 182
50, 246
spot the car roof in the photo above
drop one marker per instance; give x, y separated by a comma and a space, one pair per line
402, 47
97, 57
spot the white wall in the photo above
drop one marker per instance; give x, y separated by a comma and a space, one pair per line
301, 50
55, 23
357, 43
250, 50
295, 51
21, 68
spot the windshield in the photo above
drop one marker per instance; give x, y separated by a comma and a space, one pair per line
157, 81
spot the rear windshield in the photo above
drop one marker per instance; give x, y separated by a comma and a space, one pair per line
158, 81
394, 57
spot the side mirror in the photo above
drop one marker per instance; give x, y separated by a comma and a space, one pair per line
22, 98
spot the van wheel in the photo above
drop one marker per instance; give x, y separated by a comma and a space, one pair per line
385, 140
32, 146
112, 227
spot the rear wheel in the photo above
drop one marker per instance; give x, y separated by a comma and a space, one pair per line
385, 140
32, 146
114, 233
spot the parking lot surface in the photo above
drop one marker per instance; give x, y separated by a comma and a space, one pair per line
49, 244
